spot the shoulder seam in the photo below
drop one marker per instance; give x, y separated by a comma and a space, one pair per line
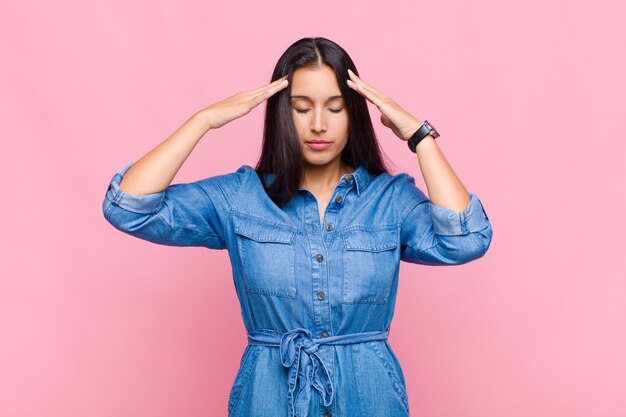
243, 183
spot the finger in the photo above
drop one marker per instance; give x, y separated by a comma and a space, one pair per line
356, 79
372, 91
265, 94
366, 93
270, 85
273, 90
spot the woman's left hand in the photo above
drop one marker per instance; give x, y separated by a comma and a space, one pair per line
392, 115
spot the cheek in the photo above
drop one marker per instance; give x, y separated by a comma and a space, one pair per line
345, 123
298, 123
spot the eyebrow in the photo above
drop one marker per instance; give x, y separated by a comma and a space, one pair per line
309, 98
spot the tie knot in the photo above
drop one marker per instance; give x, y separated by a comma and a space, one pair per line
292, 341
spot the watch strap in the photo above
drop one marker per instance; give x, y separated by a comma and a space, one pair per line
424, 130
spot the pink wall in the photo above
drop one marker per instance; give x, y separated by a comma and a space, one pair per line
529, 97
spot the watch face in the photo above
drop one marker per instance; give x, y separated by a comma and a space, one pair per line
431, 129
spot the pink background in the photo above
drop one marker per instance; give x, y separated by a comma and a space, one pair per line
529, 97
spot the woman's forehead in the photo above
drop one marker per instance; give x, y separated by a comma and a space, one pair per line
315, 83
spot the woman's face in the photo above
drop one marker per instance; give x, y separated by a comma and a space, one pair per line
319, 114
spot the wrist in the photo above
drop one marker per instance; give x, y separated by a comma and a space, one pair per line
203, 117
412, 129
425, 130
428, 142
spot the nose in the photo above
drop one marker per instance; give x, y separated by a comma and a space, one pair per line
318, 124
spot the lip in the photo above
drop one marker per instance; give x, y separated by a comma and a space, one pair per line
317, 141
318, 145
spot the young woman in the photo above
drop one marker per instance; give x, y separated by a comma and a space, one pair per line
315, 233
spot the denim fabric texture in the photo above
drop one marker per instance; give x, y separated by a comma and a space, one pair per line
317, 300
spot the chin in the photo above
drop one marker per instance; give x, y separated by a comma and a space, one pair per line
319, 161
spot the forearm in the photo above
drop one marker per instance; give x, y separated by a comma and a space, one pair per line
155, 171
444, 187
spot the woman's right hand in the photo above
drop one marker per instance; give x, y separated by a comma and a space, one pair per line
155, 170
240, 104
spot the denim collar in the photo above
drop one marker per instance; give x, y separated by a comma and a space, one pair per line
360, 175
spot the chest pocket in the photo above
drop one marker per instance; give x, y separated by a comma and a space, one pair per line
371, 262
267, 254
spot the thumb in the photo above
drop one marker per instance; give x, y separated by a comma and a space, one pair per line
385, 120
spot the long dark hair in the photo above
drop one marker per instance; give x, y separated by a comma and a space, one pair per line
281, 152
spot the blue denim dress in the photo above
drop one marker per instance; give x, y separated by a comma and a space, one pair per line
317, 300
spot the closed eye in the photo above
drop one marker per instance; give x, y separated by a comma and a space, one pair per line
332, 110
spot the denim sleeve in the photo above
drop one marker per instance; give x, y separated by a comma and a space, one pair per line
189, 214
435, 235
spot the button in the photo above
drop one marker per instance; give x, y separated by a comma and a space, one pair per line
327, 414
349, 179
320, 295
329, 227
338, 199
320, 257
324, 334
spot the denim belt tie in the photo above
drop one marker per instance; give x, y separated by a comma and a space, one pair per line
309, 369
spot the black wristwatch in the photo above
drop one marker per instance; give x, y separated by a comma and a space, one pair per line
424, 130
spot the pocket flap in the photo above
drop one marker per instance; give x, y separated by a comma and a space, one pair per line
261, 231
371, 240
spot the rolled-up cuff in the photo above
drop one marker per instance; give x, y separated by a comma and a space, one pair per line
452, 223
144, 204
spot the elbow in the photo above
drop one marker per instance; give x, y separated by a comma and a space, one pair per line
476, 245
459, 250
123, 220
115, 220
484, 237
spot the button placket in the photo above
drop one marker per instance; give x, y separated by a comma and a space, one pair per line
318, 283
